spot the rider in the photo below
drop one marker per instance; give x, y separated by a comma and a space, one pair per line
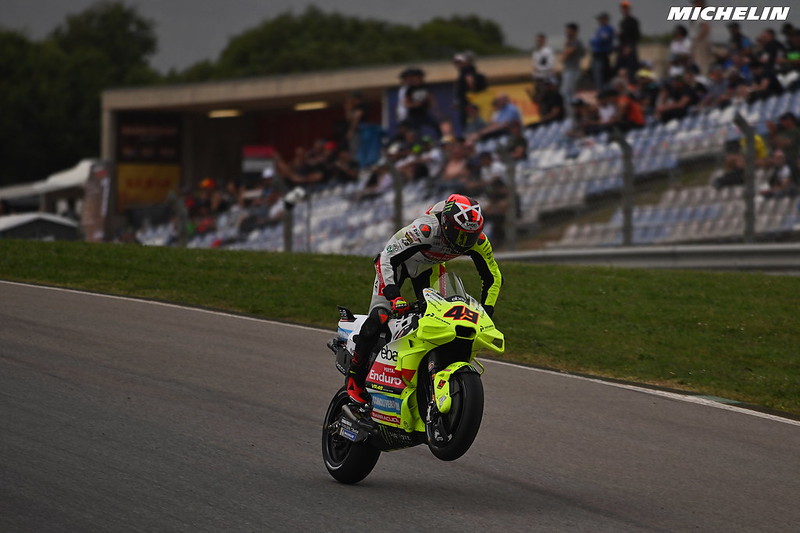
447, 230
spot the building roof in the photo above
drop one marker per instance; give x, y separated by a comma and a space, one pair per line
289, 89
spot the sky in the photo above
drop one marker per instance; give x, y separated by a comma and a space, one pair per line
194, 30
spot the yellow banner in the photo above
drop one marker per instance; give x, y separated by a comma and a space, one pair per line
145, 184
517, 92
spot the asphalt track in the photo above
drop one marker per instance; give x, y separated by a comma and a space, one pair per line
120, 415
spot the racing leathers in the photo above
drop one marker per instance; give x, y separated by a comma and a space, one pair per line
413, 252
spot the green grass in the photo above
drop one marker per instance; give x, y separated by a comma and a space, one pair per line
734, 335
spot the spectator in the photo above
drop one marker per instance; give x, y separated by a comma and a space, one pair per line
550, 103
432, 156
790, 64
584, 118
647, 90
505, 113
694, 83
717, 93
738, 41
517, 144
776, 178
355, 114
629, 32
344, 168
770, 49
456, 172
674, 100
765, 82
602, 45
680, 47
627, 62
543, 62
495, 208
490, 169
571, 62
785, 136
475, 122
465, 83
402, 110
628, 113
700, 37
420, 104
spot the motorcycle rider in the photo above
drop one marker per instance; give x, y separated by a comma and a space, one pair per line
447, 230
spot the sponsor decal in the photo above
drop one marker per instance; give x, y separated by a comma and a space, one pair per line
441, 384
728, 13
387, 354
425, 230
348, 434
389, 419
392, 248
386, 404
385, 375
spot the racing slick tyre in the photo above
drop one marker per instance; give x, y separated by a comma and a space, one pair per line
347, 461
464, 419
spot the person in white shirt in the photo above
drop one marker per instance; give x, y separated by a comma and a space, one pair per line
543, 60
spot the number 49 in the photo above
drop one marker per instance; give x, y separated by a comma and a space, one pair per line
460, 312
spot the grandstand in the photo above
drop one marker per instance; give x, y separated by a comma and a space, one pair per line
560, 174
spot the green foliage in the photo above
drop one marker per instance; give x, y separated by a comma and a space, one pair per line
315, 40
51, 89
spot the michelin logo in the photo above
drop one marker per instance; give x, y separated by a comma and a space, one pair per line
728, 13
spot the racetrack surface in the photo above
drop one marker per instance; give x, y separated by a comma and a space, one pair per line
123, 415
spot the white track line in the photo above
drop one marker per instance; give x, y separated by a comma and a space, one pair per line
689, 398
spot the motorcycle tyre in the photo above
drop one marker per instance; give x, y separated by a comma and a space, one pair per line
464, 419
347, 462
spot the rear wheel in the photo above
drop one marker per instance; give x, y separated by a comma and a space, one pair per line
347, 461
462, 423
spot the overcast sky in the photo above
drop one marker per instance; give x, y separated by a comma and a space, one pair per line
193, 30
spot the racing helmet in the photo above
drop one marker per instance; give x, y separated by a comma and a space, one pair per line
462, 222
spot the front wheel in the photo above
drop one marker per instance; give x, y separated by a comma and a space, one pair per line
347, 461
461, 424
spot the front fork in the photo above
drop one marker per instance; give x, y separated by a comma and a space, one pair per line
441, 400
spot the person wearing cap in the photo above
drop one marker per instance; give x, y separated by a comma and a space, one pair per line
602, 44
629, 32
646, 90
464, 62
571, 62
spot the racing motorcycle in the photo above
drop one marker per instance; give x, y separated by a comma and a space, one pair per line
424, 383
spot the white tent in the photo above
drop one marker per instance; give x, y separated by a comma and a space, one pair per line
74, 177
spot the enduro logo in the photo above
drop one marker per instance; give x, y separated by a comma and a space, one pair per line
728, 13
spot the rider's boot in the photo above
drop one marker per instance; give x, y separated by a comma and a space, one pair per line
356, 378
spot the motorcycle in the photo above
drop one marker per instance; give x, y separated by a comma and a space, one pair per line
424, 383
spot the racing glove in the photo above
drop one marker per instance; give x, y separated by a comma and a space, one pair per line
399, 305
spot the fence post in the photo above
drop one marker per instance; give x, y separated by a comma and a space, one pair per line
749, 177
397, 182
511, 210
628, 192
288, 216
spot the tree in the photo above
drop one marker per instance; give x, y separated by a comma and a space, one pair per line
315, 40
51, 89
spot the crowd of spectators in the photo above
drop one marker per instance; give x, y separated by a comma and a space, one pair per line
443, 146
